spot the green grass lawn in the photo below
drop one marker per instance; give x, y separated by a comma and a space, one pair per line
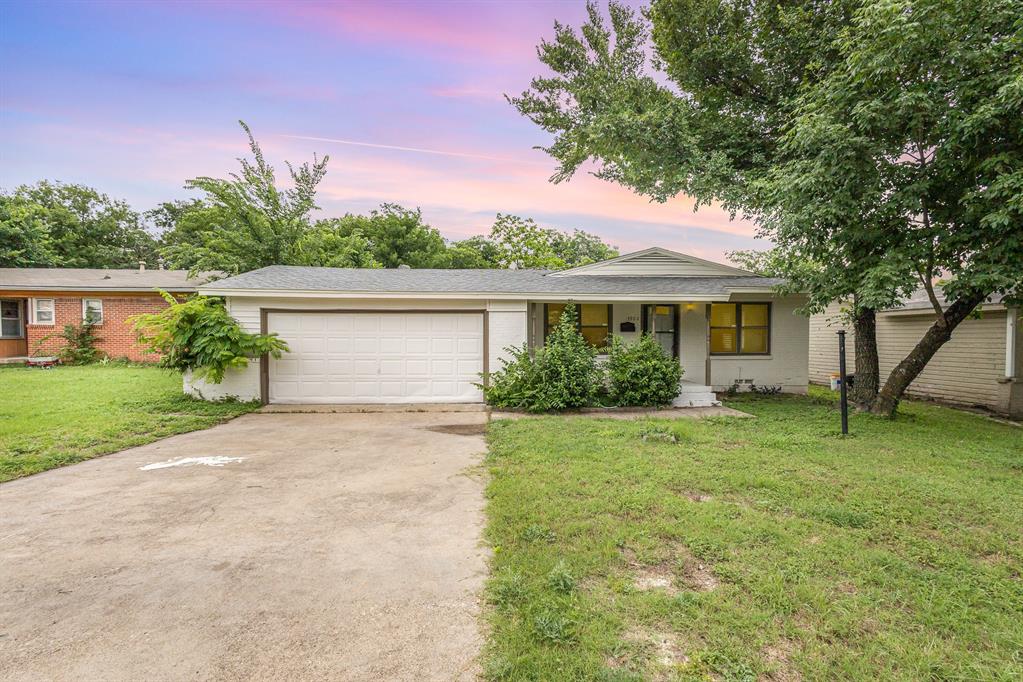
757, 549
49, 418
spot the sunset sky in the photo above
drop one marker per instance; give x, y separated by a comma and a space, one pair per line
133, 98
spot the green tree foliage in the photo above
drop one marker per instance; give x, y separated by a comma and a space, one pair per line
521, 242
474, 253
327, 245
253, 223
925, 113
200, 336
24, 238
563, 374
877, 142
641, 374
53, 224
395, 236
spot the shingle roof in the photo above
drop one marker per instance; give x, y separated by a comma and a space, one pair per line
83, 279
920, 301
420, 281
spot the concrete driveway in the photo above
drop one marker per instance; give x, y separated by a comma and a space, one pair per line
339, 546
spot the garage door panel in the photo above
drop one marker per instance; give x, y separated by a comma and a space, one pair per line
365, 324
392, 367
442, 346
470, 368
309, 368
417, 346
392, 323
311, 323
443, 323
377, 357
342, 324
392, 345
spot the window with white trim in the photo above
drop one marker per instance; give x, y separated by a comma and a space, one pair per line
92, 310
10, 319
42, 311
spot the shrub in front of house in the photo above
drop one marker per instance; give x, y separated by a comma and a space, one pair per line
642, 374
201, 337
561, 375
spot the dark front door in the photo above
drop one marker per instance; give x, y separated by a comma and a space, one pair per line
661, 320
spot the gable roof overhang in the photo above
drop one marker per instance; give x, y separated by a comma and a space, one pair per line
655, 262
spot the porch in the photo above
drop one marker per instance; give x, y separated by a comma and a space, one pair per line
745, 340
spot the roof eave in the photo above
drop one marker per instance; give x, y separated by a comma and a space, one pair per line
152, 290
483, 295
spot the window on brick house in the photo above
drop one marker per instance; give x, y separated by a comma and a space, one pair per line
42, 311
92, 310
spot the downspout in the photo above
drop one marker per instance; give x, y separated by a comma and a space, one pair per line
1011, 342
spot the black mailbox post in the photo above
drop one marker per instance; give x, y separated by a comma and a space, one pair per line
843, 381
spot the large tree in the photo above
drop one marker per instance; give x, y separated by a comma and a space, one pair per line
252, 222
751, 117
920, 124
53, 224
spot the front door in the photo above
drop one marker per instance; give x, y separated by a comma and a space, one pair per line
12, 328
662, 321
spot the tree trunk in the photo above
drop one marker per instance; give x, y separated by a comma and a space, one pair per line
909, 369
864, 388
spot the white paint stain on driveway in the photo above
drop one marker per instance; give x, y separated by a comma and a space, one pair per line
192, 461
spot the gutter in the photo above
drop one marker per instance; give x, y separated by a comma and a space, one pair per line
114, 290
448, 295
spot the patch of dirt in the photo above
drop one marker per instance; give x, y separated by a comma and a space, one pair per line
778, 657
664, 650
697, 497
682, 570
654, 578
459, 429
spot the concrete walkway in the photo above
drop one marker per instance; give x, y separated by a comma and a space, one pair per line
274, 547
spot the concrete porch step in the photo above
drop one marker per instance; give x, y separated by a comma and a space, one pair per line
696, 395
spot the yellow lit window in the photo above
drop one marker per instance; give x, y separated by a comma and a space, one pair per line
740, 328
594, 321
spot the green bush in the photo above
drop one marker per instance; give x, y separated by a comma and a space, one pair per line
641, 374
200, 335
561, 375
79, 344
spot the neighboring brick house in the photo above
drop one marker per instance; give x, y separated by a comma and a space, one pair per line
36, 304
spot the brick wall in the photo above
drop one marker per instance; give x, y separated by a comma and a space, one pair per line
116, 335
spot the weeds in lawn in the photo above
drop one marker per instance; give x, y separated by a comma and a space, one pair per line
554, 627
757, 549
560, 579
536, 532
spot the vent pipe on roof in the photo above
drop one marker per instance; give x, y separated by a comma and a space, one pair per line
142, 266
403, 266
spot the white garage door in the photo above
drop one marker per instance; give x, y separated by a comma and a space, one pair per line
377, 357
